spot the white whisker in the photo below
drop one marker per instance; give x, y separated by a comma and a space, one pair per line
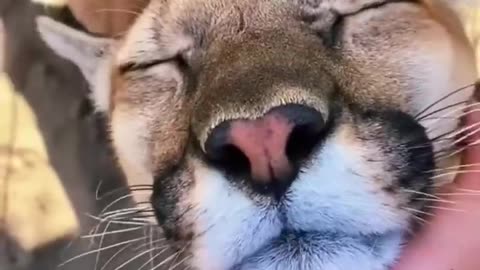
134, 258
454, 173
102, 237
116, 201
114, 256
413, 210
436, 200
100, 249
168, 259
469, 190
451, 114
111, 232
118, 11
151, 260
119, 222
460, 150
152, 243
122, 212
446, 209
420, 193
180, 262
455, 167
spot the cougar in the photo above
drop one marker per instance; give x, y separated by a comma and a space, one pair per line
282, 134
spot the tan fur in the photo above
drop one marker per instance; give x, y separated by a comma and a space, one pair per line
186, 66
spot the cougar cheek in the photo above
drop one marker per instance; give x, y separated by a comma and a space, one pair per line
132, 149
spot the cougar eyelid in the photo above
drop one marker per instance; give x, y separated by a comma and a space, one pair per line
133, 66
139, 66
335, 29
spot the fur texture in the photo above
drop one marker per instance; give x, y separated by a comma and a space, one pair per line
372, 68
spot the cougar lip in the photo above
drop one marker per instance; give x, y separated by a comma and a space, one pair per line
291, 247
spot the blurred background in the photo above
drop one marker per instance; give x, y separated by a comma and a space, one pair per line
46, 190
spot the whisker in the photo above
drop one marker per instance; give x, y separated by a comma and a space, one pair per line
114, 202
444, 98
180, 262
420, 219
97, 190
113, 10
455, 132
457, 194
100, 249
168, 259
442, 137
151, 243
454, 173
125, 211
131, 188
455, 167
102, 237
450, 152
457, 113
111, 232
469, 190
118, 222
413, 210
143, 219
424, 118
115, 255
446, 208
134, 258
435, 200
152, 259
421, 193
464, 137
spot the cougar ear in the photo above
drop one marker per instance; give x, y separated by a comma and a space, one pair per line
91, 55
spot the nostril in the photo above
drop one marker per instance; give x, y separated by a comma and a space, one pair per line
302, 141
217, 141
221, 152
267, 151
308, 130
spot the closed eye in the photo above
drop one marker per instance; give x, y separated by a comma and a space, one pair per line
330, 37
140, 66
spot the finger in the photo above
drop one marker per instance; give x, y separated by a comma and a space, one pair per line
471, 156
450, 239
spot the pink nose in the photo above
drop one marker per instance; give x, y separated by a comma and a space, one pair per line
267, 151
264, 142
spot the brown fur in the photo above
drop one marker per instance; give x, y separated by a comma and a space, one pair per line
370, 68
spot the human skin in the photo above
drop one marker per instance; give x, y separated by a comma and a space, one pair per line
106, 17
449, 240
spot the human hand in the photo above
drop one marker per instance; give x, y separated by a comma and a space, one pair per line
107, 17
451, 239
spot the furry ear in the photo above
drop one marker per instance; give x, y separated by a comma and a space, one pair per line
91, 55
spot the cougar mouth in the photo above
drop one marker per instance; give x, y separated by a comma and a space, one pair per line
311, 249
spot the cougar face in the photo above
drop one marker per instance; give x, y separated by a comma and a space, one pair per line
282, 134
